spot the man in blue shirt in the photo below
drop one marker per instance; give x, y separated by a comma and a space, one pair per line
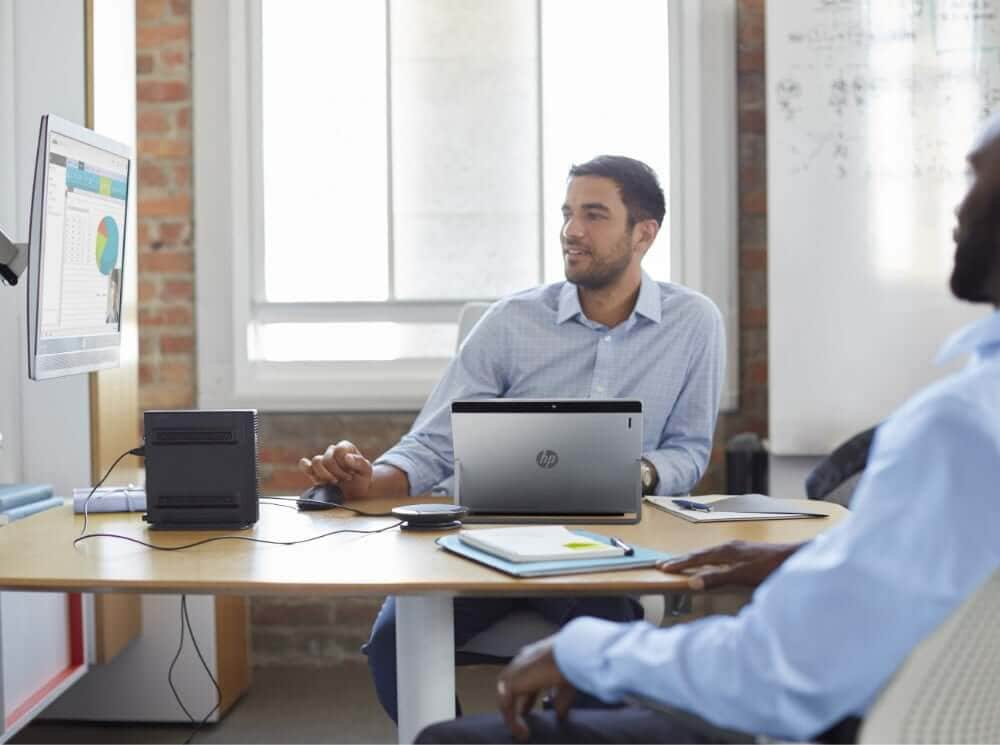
831, 620
609, 331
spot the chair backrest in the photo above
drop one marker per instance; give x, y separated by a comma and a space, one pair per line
467, 318
948, 689
834, 478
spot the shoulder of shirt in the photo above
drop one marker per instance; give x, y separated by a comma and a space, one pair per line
675, 298
532, 300
968, 399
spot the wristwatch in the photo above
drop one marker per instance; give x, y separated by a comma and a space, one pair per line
650, 478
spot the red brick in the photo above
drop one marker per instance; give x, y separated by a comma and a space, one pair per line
166, 316
168, 262
146, 374
177, 373
285, 481
182, 176
147, 291
176, 344
290, 614
151, 176
144, 64
181, 7
177, 289
171, 59
183, 118
152, 120
173, 232
164, 147
150, 10
753, 259
149, 36
179, 206
754, 202
166, 396
159, 90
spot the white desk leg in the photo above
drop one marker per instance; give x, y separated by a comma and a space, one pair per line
425, 662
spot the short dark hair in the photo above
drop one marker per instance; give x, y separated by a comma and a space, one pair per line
637, 183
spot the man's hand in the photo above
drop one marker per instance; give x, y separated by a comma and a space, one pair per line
341, 464
533, 671
734, 563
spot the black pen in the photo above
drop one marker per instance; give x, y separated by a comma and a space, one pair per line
629, 551
687, 504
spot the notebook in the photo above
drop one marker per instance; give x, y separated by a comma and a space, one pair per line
643, 557
728, 508
548, 461
538, 543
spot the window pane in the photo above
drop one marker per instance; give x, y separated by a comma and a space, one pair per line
324, 150
465, 147
605, 90
287, 342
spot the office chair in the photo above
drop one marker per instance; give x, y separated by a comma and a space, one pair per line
948, 688
501, 641
836, 476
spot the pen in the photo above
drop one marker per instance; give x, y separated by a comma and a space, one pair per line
687, 504
629, 551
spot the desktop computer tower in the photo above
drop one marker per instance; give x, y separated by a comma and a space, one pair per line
201, 469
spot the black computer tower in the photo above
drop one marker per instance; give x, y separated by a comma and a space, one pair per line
201, 469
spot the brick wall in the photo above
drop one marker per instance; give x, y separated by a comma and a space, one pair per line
319, 631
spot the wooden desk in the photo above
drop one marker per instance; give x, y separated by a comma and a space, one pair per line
38, 554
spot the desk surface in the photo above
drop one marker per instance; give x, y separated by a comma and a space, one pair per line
38, 554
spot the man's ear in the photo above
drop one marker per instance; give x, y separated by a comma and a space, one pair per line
643, 235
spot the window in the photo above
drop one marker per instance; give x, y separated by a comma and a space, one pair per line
417, 163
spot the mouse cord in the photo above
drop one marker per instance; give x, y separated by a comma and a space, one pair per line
334, 505
186, 622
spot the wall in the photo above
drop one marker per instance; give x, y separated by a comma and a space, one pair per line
323, 631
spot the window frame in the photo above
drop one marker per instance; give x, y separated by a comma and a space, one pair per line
228, 214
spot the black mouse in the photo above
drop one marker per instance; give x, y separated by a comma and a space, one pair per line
321, 497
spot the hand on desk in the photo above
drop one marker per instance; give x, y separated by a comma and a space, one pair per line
532, 672
733, 563
341, 464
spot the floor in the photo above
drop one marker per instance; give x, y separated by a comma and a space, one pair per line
284, 704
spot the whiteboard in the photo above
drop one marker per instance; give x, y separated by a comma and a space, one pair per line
872, 106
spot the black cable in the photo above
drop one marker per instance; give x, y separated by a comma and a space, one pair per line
334, 505
186, 619
233, 538
140, 451
170, 670
268, 501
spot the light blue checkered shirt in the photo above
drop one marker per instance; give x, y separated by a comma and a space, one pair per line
669, 353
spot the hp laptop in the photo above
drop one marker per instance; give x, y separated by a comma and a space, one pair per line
560, 460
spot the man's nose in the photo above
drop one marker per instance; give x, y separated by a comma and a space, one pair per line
572, 228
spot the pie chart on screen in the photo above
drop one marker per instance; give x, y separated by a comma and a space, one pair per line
107, 245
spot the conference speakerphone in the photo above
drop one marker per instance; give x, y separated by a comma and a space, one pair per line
201, 469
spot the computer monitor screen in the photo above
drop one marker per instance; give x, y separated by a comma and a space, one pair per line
76, 250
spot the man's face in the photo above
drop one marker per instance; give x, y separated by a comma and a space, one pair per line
977, 235
597, 241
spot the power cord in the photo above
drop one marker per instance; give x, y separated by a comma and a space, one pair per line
333, 506
140, 451
186, 623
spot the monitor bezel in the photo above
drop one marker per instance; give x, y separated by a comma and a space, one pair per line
53, 124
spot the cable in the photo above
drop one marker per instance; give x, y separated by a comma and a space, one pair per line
140, 451
233, 538
334, 506
186, 619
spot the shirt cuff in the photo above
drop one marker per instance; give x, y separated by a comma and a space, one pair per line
420, 481
579, 652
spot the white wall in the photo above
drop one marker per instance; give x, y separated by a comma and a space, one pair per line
46, 425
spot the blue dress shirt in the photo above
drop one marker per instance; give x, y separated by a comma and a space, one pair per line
827, 630
669, 353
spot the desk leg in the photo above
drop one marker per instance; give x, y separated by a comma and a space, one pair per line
425, 662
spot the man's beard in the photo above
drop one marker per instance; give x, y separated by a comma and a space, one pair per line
604, 273
974, 260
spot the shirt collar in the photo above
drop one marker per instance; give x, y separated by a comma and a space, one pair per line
977, 335
647, 304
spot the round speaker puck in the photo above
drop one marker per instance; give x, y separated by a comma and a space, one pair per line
430, 516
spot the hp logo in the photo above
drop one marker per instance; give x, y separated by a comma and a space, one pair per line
547, 458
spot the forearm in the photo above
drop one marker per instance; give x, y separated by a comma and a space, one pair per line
678, 468
388, 482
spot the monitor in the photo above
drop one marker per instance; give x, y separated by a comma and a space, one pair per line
76, 250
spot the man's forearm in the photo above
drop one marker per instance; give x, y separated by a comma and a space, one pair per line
388, 482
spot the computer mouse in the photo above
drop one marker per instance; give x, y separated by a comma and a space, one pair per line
321, 497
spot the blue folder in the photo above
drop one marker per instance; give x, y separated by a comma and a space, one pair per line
643, 557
